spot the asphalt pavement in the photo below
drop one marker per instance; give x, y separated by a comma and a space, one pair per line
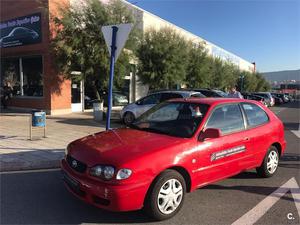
39, 197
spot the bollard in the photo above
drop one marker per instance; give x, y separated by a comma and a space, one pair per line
98, 110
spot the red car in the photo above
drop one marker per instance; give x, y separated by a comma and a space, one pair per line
174, 148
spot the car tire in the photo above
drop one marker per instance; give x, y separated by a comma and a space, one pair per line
166, 195
128, 118
269, 165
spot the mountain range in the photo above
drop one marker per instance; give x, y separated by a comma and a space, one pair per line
285, 75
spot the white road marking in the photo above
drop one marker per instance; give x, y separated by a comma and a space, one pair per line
261, 208
296, 132
30, 171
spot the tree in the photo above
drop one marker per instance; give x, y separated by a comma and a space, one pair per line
198, 67
78, 43
262, 84
254, 82
163, 56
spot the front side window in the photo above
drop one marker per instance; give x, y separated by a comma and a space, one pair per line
228, 118
254, 114
180, 119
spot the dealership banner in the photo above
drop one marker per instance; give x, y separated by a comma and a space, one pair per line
20, 31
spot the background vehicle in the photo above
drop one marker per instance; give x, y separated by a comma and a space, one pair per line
132, 111
290, 97
282, 96
211, 93
118, 99
267, 96
255, 98
173, 148
22, 34
278, 101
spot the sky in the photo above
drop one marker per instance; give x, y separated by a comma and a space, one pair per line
263, 31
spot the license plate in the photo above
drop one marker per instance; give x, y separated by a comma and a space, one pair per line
70, 180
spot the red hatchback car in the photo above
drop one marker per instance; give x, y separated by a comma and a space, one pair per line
174, 148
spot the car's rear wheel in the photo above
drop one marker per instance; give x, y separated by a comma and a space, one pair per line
128, 118
166, 195
269, 165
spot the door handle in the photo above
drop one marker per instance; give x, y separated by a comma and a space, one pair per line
246, 139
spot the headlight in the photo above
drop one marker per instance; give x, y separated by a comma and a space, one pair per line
123, 174
108, 172
96, 171
104, 172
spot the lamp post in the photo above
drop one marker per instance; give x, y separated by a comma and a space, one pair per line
242, 81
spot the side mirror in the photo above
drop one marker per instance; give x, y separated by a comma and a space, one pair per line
209, 133
138, 102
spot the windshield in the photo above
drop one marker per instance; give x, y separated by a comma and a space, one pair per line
180, 119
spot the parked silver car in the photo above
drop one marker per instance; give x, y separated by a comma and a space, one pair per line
132, 111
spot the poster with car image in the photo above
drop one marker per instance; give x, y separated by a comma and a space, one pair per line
20, 31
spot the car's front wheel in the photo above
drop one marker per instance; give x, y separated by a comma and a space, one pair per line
270, 163
166, 195
128, 118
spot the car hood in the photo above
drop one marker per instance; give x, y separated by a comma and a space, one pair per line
119, 146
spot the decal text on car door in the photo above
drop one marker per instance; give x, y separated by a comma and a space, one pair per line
227, 152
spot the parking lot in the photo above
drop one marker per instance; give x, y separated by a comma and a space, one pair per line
39, 197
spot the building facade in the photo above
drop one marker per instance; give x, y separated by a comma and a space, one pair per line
26, 61
28, 66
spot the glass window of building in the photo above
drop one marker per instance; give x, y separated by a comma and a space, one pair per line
32, 76
10, 74
24, 75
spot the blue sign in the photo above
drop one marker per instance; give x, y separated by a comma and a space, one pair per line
23, 30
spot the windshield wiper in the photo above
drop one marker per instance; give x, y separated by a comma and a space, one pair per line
155, 130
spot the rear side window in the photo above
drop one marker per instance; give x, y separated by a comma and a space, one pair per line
167, 96
206, 93
150, 100
254, 114
198, 95
228, 118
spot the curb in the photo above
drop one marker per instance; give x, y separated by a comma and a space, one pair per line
18, 166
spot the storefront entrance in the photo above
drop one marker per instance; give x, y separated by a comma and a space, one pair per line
77, 92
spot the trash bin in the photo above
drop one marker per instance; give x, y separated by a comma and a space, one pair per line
38, 118
98, 110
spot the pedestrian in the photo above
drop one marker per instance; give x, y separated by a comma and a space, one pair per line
233, 93
6, 94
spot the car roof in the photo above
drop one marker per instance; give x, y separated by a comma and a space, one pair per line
177, 92
212, 101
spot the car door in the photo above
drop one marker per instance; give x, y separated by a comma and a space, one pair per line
220, 157
147, 103
258, 130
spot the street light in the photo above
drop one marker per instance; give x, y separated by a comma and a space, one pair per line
242, 81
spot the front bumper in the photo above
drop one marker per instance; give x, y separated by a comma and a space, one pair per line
111, 197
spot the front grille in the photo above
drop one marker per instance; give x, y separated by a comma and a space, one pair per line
76, 165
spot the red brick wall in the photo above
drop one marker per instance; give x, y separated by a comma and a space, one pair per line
60, 88
57, 91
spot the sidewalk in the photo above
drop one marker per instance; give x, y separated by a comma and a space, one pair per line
17, 152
